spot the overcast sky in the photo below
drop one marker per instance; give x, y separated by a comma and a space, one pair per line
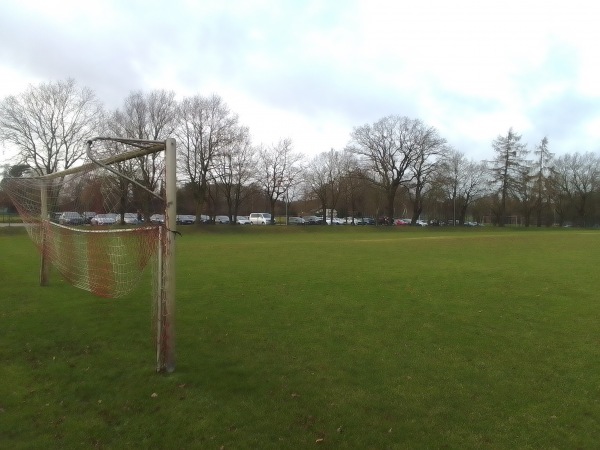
312, 70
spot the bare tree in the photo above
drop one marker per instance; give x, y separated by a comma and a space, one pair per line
429, 154
48, 124
561, 188
115, 126
526, 193
451, 173
326, 178
336, 163
316, 177
351, 194
294, 191
473, 186
278, 168
464, 181
234, 167
577, 177
147, 116
206, 130
389, 147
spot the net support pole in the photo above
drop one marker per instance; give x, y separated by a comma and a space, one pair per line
166, 297
44, 263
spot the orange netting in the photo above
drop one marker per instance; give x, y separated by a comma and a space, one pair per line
93, 226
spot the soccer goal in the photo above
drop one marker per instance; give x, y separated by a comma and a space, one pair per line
102, 223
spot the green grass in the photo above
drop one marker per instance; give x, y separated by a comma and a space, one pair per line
295, 337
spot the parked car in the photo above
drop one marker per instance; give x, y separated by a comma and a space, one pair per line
313, 220
71, 218
104, 219
401, 222
260, 218
185, 219
295, 221
368, 221
221, 219
157, 218
131, 219
243, 220
334, 221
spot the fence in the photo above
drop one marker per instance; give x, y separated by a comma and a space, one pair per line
9, 218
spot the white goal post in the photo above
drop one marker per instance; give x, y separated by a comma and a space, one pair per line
109, 259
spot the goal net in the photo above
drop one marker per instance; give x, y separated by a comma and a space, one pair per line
101, 224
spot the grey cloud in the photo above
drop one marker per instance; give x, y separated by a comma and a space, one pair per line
208, 43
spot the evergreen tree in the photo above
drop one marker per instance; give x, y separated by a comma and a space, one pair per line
544, 169
507, 169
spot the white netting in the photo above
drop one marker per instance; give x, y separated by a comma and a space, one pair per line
93, 225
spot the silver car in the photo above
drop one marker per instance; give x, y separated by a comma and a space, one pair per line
295, 221
243, 220
260, 218
71, 218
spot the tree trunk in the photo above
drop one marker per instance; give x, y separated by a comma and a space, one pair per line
272, 208
199, 194
391, 196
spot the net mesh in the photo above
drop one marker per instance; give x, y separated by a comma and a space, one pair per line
96, 228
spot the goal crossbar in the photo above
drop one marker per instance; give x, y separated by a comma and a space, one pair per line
153, 147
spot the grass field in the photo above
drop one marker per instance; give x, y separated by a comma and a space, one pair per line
361, 338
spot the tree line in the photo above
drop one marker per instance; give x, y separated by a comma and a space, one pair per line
395, 167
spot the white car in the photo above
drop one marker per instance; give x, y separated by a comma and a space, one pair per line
221, 219
131, 219
185, 219
243, 220
260, 218
157, 218
104, 219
